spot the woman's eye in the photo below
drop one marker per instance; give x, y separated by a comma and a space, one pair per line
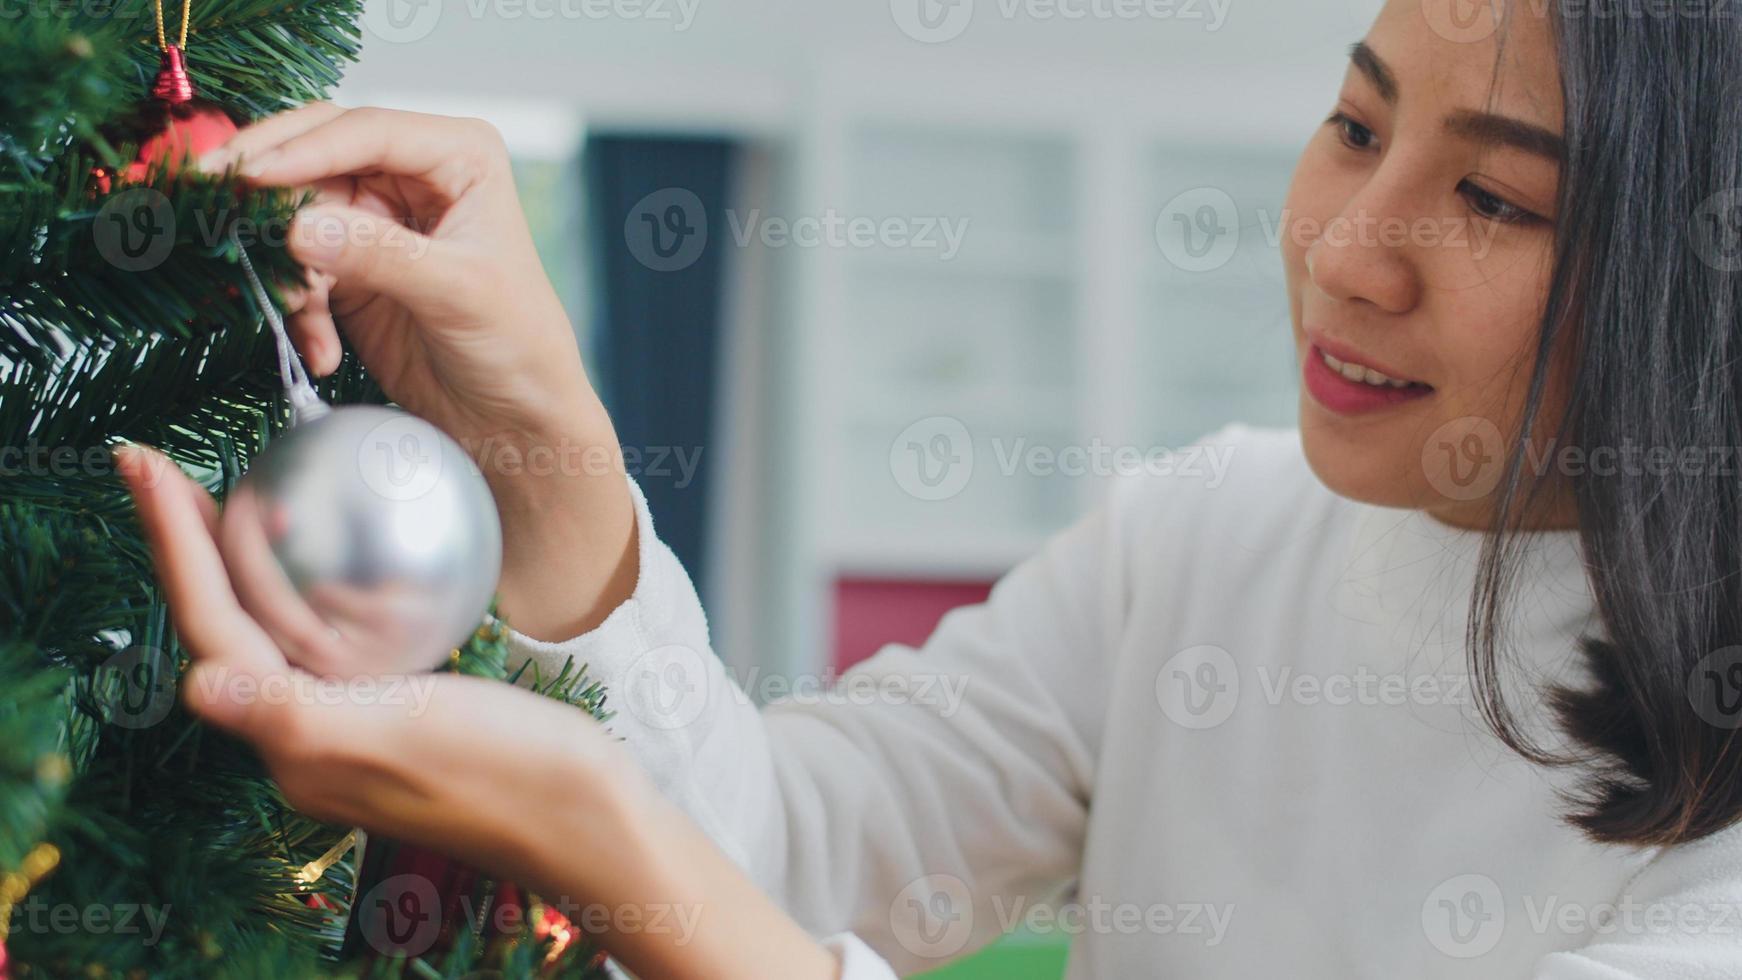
1492, 206
1353, 134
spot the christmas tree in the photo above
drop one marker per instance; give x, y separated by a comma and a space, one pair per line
134, 841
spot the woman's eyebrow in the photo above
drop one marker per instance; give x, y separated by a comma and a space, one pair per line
1487, 127
1374, 67
1483, 127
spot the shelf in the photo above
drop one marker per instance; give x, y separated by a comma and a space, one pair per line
1044, 258
930, 557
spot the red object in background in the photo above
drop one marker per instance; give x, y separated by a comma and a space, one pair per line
413, 901
871, 612
184, 127
192, 129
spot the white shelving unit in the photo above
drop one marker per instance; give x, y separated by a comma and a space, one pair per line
1061, 323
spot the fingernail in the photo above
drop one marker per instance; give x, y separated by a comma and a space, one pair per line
125, 457
215, 161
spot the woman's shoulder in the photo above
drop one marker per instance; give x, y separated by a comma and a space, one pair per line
1239, 483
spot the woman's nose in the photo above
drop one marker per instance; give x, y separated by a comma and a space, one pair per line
1364, 255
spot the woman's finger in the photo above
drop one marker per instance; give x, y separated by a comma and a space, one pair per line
312, 329
179, 526
268, 133
234, 656
266, 593
368, 254
438, 150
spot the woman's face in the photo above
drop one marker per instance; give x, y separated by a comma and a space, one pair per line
1418, 255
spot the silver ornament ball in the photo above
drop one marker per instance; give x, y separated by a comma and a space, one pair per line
365, 541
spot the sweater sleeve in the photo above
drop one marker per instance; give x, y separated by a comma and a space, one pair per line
916, 798
1679, 919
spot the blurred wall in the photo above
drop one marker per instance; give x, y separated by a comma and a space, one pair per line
1067, 138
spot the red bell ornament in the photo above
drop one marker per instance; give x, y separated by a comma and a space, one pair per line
192, 127
175, 127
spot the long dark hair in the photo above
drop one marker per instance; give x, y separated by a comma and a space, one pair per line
1644, 315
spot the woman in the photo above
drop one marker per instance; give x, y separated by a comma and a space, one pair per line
1421, 690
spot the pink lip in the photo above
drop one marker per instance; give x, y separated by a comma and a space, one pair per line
1344, 397
1344, 352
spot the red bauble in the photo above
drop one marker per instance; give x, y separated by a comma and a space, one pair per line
176, 128
193, 129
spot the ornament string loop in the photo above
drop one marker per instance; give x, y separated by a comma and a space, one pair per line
181, 41
305, 404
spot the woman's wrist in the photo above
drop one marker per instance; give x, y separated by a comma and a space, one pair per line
568, 524
676, 905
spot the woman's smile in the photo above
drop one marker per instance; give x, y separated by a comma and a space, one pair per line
1346, 382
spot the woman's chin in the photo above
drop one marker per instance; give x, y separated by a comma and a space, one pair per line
1363, 462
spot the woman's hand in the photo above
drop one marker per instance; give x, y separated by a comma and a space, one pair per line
520, 785
421, 254
412, 755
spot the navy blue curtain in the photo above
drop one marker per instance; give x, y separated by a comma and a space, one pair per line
659, 234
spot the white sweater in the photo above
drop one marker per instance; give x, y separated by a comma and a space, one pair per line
1210, 731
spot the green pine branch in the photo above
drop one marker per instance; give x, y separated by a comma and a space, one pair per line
124, 315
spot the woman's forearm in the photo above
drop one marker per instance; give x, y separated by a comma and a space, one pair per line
676, 907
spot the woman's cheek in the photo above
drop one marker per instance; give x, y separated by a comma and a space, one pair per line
1495, 321
1464, 253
